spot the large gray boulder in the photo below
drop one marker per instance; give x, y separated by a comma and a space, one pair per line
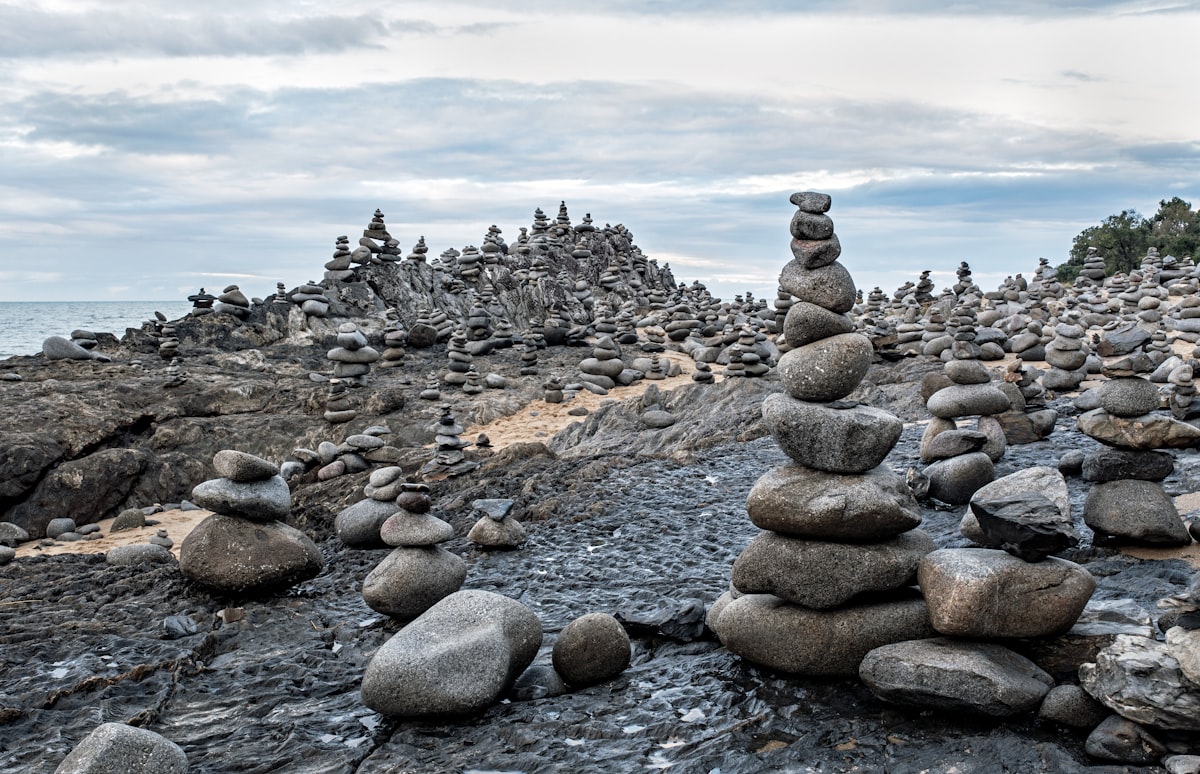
821, 574
803, 502
358, 526
115, 748
955, 675
770, 631
232, 554
1047, 480
986, 593
456, 658
60, 348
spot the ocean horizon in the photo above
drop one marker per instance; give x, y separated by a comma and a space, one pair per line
24, 325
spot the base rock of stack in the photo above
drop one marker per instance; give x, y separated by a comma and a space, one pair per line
1134, 510
234, 554
767, 630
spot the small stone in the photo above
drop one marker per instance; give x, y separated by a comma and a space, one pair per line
1071, 706
130, 518
56, 528
1118, 739
591, 649
242, 467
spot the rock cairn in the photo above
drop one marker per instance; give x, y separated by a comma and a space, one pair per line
202, 303
418, 572
232, 301
497, 528
353, 356
450, 459
1127, 502
245, 545
962, 459
838, 522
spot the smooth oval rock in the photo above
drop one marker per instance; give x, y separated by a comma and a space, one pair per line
358, 526
410, 580
956, 479
767, 630
836, 440
830, 287
403, 528
1128, 397
232, 554
267, 499
961, 400
827, 369
117, 748
138, 553
805, 323
1134, 510
242, 467
457, 658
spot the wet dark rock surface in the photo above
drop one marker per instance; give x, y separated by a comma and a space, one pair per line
270, 683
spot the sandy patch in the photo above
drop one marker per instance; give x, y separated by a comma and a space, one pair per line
177, 523
540, 420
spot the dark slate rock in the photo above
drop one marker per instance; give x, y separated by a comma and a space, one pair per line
1121, 740
1134, 510
1122, 341
1027, 525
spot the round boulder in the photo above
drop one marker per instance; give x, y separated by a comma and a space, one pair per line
591, 649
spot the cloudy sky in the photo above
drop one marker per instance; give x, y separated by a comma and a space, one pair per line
147, 149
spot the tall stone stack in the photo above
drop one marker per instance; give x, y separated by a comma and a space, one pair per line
839, 523
1067, 355
232, 301
1127, 502
245, 545
352, 357
1093, 270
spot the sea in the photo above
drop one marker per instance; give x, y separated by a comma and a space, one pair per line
24, 325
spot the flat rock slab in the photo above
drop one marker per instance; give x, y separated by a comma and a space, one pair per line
955, 675
266, 499
803, 502
767, 630
820, 574
986, 593
1027, 525
1139, 679
457, 658
1148, 431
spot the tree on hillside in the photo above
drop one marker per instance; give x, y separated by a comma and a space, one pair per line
1175, 228
1124, 239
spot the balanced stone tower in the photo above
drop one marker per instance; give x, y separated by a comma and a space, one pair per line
827, 581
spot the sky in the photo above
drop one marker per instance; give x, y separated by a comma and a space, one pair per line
148, 148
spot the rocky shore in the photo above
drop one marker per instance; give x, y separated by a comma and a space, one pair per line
624, 426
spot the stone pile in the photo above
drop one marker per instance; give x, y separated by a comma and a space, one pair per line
450, 459
497, 528
460, 360
1127, 501
232, 301
395, 338
311, 299
418, 572
605, 367
245, 545
1067, 356
168, 341
839, 525
962, 459
352, 356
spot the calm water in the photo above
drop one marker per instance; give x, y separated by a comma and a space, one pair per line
24, 325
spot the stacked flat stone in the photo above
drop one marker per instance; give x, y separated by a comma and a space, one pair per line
703, 373
479, 323
552, 390
924, 289
245, 545
174, 373
419, 251
1185, 319
84, 338
395, 338
460, 360
312, 300
280, 297
605, 365
1127, 502
964, 282
338, 267
753, 363
733, 361
1182, 401
374, 236
468, 263
1093, 267
168, 341
1067, 355
449, 460
202, 303
339, 408
353, 356
418, 572
497, 529
433, 388
529, 356
963, 458
838, 522
474, 383
233, 302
